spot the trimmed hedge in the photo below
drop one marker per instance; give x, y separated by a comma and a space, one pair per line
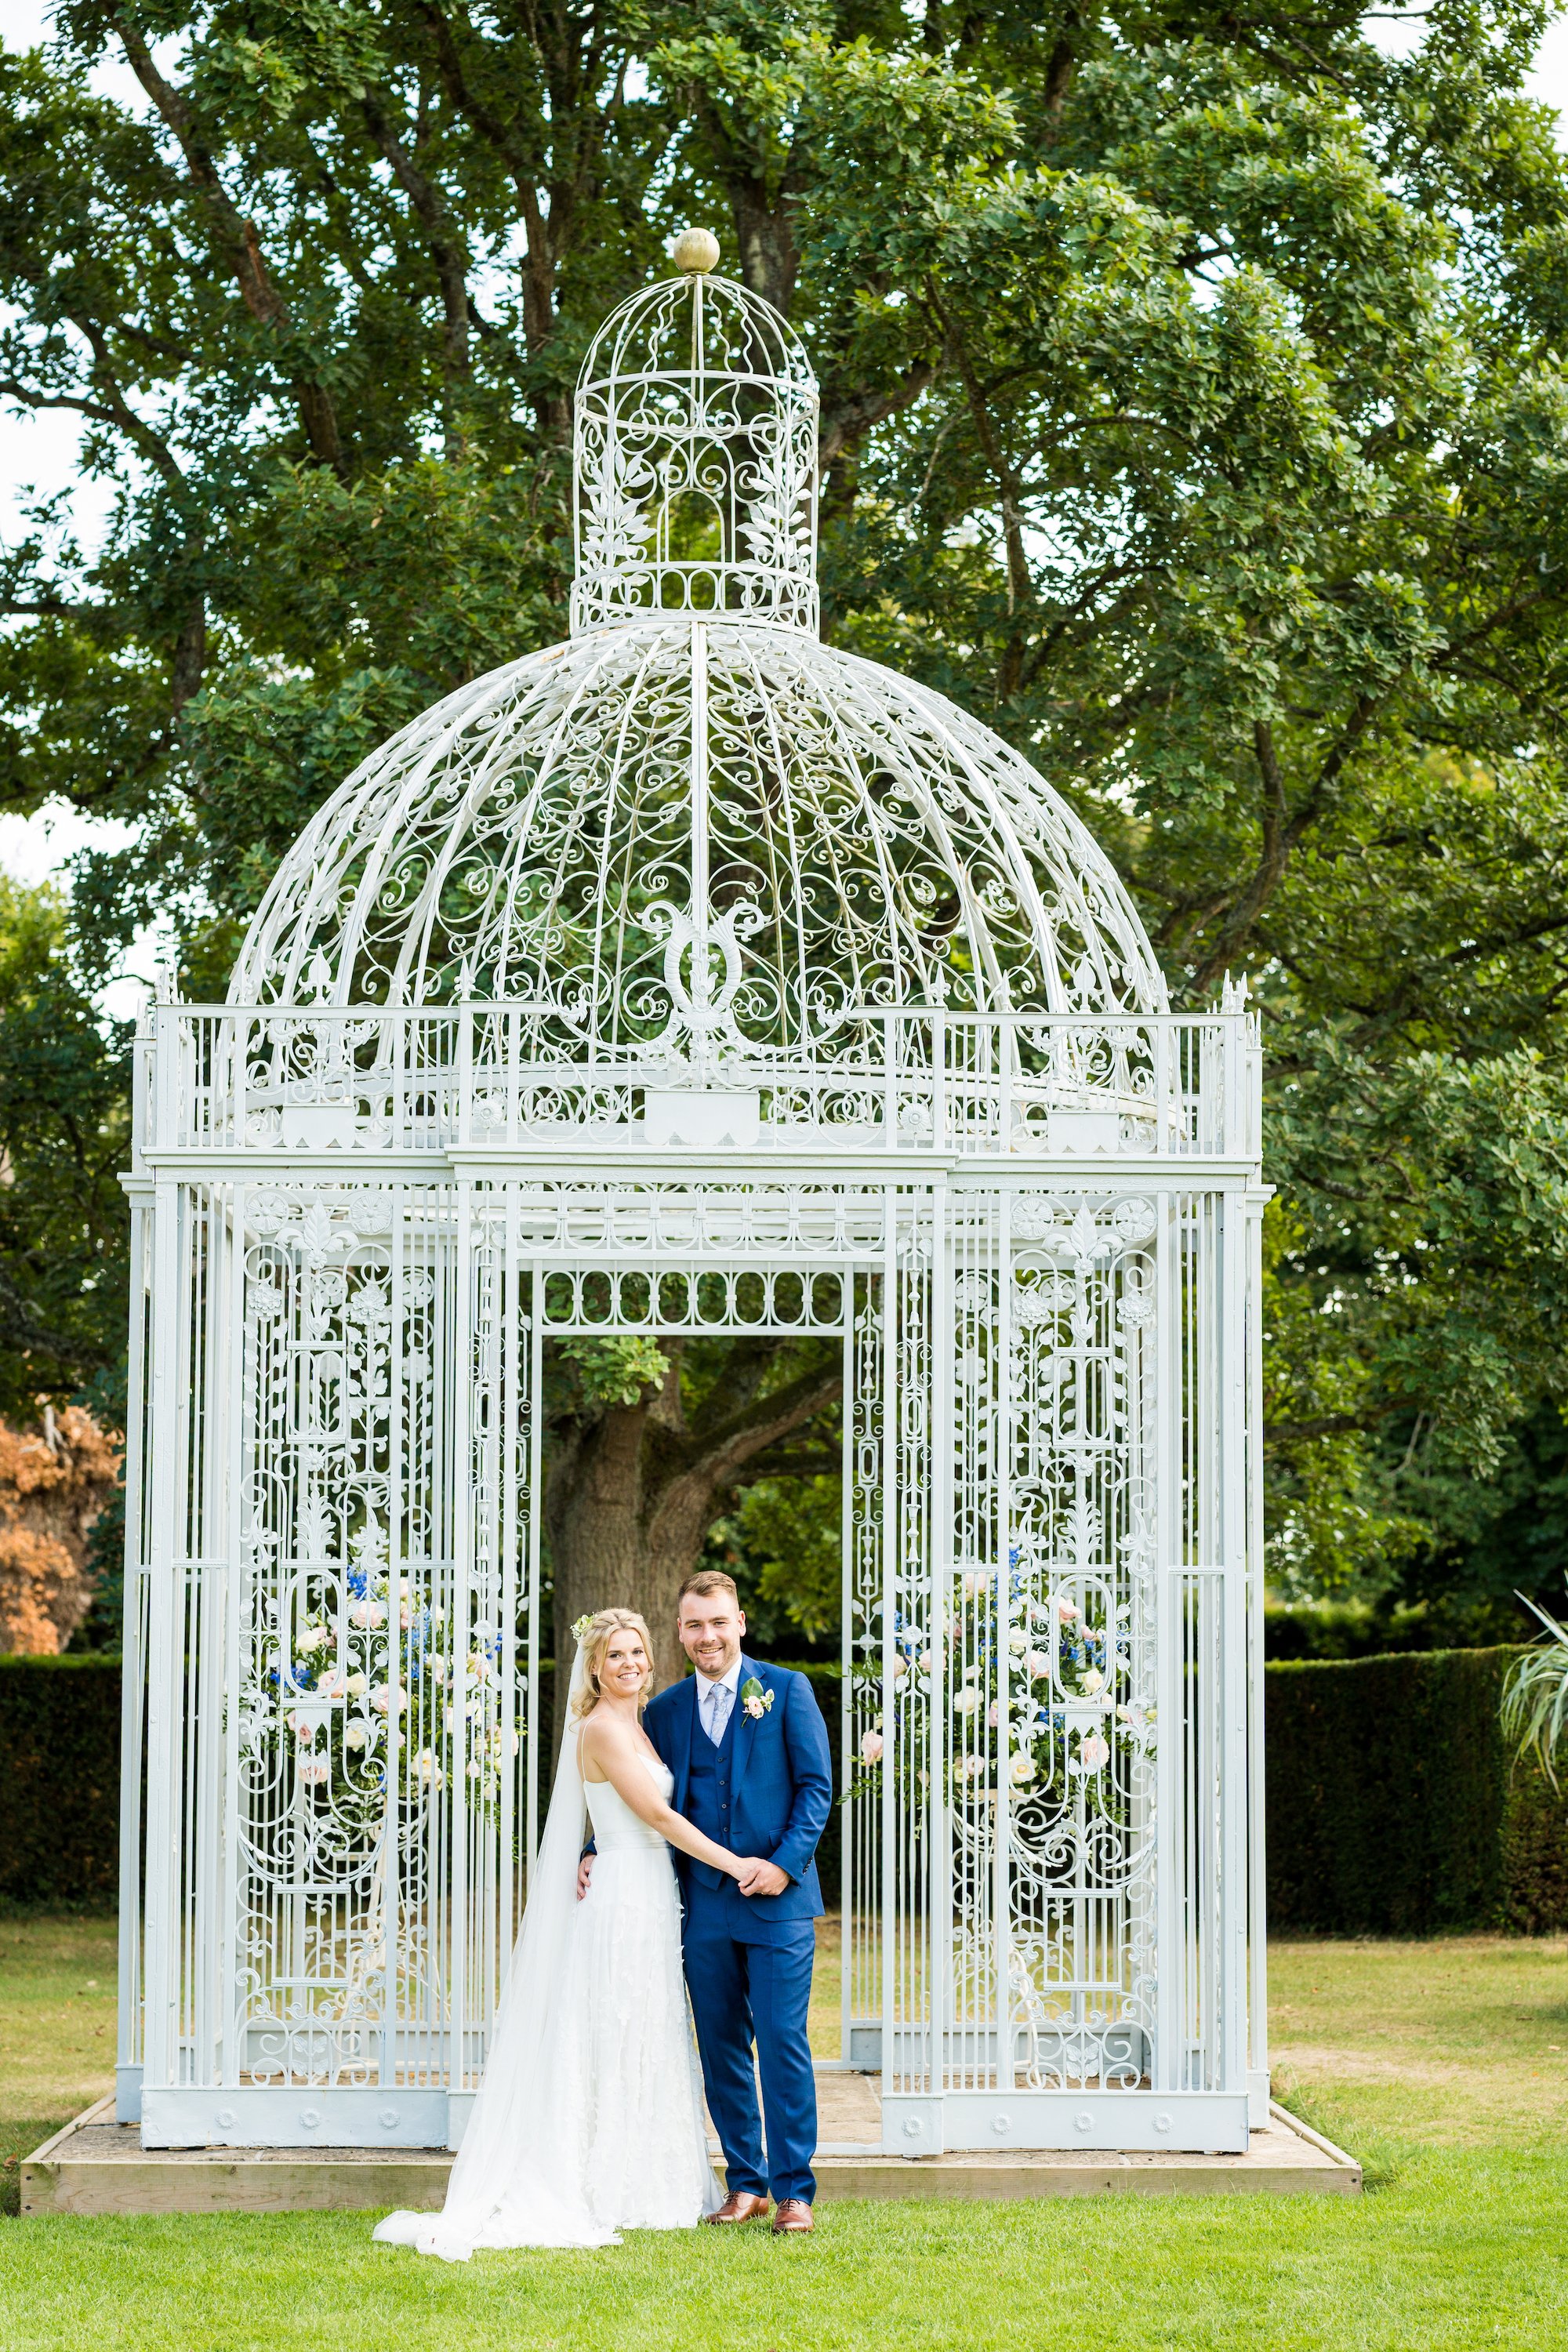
60, 1781
1392, 1809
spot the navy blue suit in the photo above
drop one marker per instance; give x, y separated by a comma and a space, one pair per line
765, 1789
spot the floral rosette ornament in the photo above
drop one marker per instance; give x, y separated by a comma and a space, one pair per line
334, 1693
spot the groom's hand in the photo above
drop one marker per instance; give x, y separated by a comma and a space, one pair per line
585, 1872
762, 1878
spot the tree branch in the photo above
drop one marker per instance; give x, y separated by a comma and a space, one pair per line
235, 238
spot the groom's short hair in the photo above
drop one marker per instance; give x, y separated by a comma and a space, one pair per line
706, 1582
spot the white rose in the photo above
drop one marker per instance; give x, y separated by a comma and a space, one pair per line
966, 1701
356, 1735
437, 1670
1021, 1769
1037, 1665
375, 1612
356, 1687
309, 1638
1093, 1680
1017, 1642
1067, 1610
359, 1614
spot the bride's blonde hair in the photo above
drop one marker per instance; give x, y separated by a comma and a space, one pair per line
594, 1639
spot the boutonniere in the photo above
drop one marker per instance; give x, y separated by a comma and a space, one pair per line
754, 1698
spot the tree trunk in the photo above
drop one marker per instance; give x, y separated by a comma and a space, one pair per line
606, 1532
631, 1492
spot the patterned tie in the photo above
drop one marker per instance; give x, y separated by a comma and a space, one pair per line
716, 1699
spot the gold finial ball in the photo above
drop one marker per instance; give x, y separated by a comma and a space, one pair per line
696, 250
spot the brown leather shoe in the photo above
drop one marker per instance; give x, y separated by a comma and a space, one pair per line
793, 2214
740, 2206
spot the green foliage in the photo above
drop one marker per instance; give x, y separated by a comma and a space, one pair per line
608, 1372
60, 1781
1535, 1713
789, 1531
1194, 410
1392, 1806
63, 1141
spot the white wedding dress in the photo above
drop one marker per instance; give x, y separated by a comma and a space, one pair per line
589, 2120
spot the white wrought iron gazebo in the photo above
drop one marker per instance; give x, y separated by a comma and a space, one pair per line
694, 976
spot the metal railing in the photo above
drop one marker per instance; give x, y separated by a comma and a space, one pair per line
373, 1079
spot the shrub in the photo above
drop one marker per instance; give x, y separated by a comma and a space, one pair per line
1392, 1809
60, 1781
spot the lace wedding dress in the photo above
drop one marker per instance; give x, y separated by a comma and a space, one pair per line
589, 2120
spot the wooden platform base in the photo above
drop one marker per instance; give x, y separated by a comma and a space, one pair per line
95, 2166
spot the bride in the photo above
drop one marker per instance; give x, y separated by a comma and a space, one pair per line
589, 2120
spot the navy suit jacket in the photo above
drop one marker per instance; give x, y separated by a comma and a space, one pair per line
780, 1780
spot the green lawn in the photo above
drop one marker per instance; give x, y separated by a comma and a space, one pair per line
1445, 2064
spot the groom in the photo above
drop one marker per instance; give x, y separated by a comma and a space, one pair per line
753, 1771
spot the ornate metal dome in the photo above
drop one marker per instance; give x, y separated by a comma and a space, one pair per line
693, 830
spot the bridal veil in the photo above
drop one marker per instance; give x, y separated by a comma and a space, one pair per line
516, 2178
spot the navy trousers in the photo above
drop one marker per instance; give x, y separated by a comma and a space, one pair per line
740, 1991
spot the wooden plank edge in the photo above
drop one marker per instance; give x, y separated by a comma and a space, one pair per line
39, 2173
1314, 2138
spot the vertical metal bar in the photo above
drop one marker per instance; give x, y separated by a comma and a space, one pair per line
1169, 1852
939, 1079
515, 1337
165, 1681
397, 1514
1002, 1890
1257, 1874
890, 1536
846, 1668
465, 1328
1232, 1696
466, 1073
133, 1668
535, 1517
236, 1568
939, 1602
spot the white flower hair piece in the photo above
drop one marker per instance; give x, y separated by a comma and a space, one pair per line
582, 1627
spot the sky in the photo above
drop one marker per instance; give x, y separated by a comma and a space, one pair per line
38, 455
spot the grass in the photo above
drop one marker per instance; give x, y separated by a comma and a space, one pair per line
56, 2031
1446, 2063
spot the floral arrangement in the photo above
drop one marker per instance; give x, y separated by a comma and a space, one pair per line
1070, 1709
333, 1692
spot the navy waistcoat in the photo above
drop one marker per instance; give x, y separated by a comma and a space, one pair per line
708, 1790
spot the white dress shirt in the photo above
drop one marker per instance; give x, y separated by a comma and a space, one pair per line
715, 1698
